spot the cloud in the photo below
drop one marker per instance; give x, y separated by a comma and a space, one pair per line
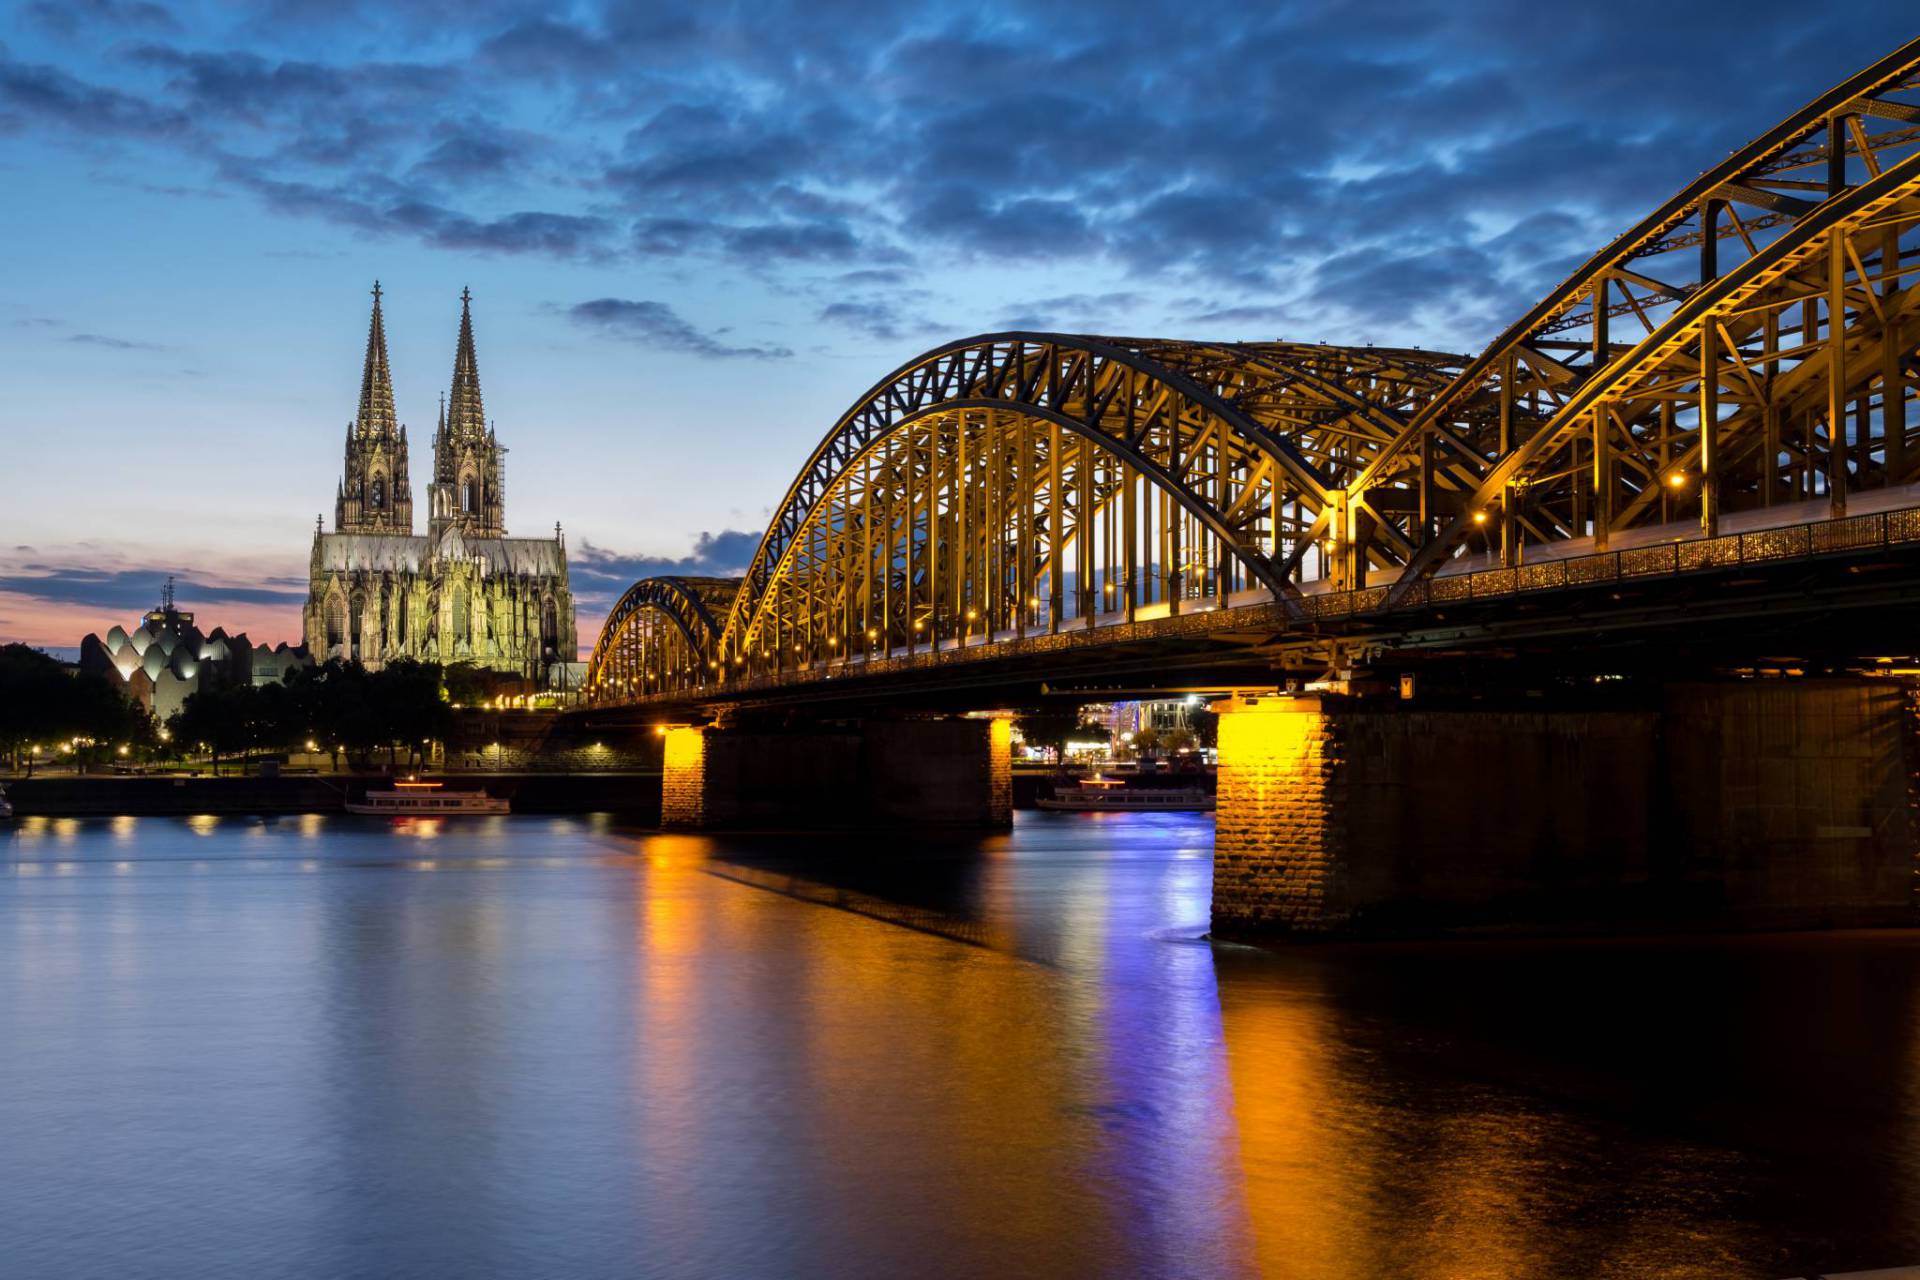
133, 590
113, 344
1072, 312
66, 18
1259, 166
600, 576
467, 153
887, 318
45, 93
659, 326
56, 595
396, 212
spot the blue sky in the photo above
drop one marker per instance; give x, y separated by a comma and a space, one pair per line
696, 232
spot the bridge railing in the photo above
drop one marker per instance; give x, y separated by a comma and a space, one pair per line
1665, 559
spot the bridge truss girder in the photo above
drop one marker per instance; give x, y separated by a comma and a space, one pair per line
1017, 482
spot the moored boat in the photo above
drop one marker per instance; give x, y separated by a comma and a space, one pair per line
1114, 795
413, 799
6, 808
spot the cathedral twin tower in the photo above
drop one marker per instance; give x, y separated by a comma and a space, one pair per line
463, 593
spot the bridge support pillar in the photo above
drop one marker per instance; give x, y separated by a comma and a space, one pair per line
1764, 804
683, 778
877, 773
1278, 837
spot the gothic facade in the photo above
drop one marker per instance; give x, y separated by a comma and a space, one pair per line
464, 592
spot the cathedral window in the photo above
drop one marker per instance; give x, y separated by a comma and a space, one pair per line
462, 619
470, 497
379, 492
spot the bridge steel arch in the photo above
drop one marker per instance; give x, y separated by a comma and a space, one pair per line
660, 637
1026, 482
1592, 443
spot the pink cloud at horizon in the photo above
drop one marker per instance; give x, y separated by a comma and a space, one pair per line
45, 624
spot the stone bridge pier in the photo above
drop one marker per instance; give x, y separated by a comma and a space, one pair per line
948, 772
1775, 803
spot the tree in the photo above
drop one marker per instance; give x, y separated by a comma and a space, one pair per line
466, 685
42, 703
406, 697
1049, 727
350, 708
209, 718
335, 707
1206, 725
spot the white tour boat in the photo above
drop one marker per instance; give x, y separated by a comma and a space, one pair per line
1113, 795
410, 799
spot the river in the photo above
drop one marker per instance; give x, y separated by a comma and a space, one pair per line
331, 1047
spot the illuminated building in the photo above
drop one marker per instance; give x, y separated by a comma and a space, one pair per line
166, 659
463, 593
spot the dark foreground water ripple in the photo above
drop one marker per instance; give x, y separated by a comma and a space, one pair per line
322, 1047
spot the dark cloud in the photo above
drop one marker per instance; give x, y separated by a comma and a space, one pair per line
68, 18
133, 590
600, 576
387, 210
659, 326
1071, 313
1411, 168
802, 242
1022, 227
113, 344
543, 47
1279, 317
466, 153
887, 318
866, 276
49, 94
257, 89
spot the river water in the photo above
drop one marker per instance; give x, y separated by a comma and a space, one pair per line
331, 1047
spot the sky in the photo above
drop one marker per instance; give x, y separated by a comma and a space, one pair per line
697, 232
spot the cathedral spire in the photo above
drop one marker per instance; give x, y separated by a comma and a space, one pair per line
376, 416
467, 468
466, 415
374, 495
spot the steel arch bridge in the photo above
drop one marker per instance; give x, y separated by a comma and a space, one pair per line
660, 637
1746, 353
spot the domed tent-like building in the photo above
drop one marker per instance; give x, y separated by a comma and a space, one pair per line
166, 659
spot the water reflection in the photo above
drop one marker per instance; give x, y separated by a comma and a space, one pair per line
556, 1047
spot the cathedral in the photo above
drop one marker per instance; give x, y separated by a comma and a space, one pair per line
465, 592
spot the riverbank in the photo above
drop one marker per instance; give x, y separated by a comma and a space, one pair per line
636, 793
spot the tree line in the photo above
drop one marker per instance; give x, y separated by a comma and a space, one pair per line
340, 707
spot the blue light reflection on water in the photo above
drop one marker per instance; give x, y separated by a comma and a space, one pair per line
325, 1046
